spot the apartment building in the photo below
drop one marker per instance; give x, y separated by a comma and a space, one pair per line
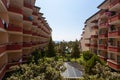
23, 29
89, 36
84, 42
108, 40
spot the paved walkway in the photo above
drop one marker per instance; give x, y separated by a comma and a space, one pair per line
71, 72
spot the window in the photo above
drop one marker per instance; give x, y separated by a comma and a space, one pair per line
100, 41
118, 59
98, 52
111, 56
111, 41
112, 28
113, 13
118, 44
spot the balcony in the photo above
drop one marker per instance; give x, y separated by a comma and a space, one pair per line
28, 5
103, 25
114, 19
104, 14
113, 64
93, 45
12, 27
1, 24
27, 44
39, 27
114, 34
35, 13
14, 63
27, 32
34, 43
114, 5
5, 3
14, 46
15, 10
2, 48
114, 48
103, 35
34, 34
102, 57
2, 72
43, 42
27, 18
43, 36
87, 44
102, 46
25, 58
94, 27
39, 19
35, 24
94, 36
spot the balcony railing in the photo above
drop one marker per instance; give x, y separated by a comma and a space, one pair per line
34, 23
39, 18
1, 24
94, 36
39, 27
114, 48
103, 35
13, 63
27, 44
47, 31
34, 34
28, 5
43, 42
35, 13
102, 46
103, 25
12, 27
102, 57
115, 19
93, 45
26, 18
25, 58
114, 34
2, 72
113, 64
34, 43
114, 2
2, 48
26, 31
5, 3
14, 46
87, 44
16, 10
104, 14
95, 27
43, 36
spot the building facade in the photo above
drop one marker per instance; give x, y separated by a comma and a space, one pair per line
23, 29
107, 35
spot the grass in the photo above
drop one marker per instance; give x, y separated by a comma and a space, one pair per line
79, 60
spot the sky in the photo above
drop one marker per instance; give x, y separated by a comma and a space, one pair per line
67, 17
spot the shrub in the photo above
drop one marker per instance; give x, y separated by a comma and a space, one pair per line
44, 70
87, 55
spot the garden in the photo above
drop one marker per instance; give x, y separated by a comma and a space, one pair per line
50, 65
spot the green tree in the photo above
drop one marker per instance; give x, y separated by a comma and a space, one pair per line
90, 61
51, 50
47, 69
87, 55
75, 51
36, 55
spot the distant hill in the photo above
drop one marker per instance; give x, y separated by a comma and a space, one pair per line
57, 41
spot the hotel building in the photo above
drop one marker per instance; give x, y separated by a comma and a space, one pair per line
23, 29
105, 34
